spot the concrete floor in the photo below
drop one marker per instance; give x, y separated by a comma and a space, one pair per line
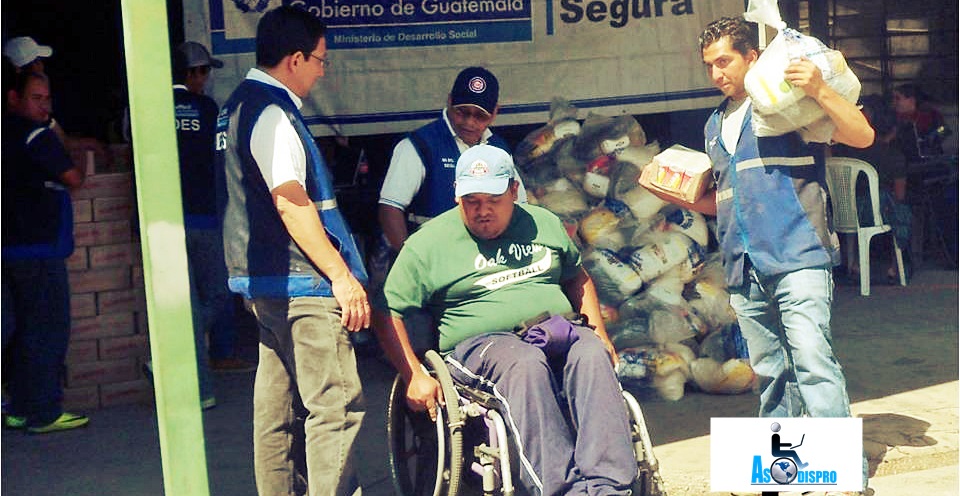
898, 347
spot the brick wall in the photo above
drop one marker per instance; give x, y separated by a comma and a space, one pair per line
108, 341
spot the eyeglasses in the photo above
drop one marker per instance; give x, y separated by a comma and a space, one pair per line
325, 63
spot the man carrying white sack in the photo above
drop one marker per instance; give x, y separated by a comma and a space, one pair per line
778, 246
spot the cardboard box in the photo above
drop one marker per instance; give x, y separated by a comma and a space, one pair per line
680, 173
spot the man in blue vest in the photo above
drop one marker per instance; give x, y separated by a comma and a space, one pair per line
290, 254
777, 243
196, 121
419, 181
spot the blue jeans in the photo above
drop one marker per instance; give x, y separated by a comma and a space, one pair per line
36, 314
307, 399
208, 294
785, 320
593, 458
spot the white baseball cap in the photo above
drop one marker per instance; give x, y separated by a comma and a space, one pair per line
23, 49
483, 169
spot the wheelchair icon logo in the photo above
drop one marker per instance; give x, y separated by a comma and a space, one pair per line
787, 462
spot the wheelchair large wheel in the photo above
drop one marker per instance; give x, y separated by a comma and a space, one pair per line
649, 482
426, 456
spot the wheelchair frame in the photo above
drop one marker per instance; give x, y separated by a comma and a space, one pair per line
422, 452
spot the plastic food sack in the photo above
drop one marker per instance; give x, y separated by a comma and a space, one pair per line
665, 251
633, 367
614, 278
596, 178
690, 223
789, 108
671, 386
603, 135
631, 333
673, 324
601, 228
565, 202
679, 172
642, 203
562, 124
732, 377
640, 156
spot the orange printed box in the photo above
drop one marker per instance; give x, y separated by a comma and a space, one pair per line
678, 172
101, 372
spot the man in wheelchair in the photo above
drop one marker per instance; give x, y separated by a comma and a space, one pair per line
483, 268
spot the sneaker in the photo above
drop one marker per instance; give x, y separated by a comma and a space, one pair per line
64, 422
208, 403
14, 422
231, 364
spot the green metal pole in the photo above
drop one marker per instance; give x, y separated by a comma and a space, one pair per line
182, 452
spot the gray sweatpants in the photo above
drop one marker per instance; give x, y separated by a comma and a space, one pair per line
595, 456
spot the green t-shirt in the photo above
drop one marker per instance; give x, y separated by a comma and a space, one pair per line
472, 286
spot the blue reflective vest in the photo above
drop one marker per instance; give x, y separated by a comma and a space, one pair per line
262, 259
439, 153
772, 205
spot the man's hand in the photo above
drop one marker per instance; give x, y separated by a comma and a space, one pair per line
852, 127
805, 75
424, 393
354, 307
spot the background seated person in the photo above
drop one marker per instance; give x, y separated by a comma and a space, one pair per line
920, 126
482, 268
921, 131
891, 166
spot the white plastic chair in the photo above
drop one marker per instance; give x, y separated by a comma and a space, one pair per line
842, 174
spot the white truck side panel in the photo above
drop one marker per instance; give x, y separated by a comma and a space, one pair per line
395, 60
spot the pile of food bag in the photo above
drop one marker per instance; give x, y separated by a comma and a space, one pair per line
661, 289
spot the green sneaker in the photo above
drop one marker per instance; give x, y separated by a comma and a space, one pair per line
14, 422
208, 403
64, 422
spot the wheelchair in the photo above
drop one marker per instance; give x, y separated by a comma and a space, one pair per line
467, 449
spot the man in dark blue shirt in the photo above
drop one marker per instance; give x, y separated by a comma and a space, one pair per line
37, 222
196, 121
